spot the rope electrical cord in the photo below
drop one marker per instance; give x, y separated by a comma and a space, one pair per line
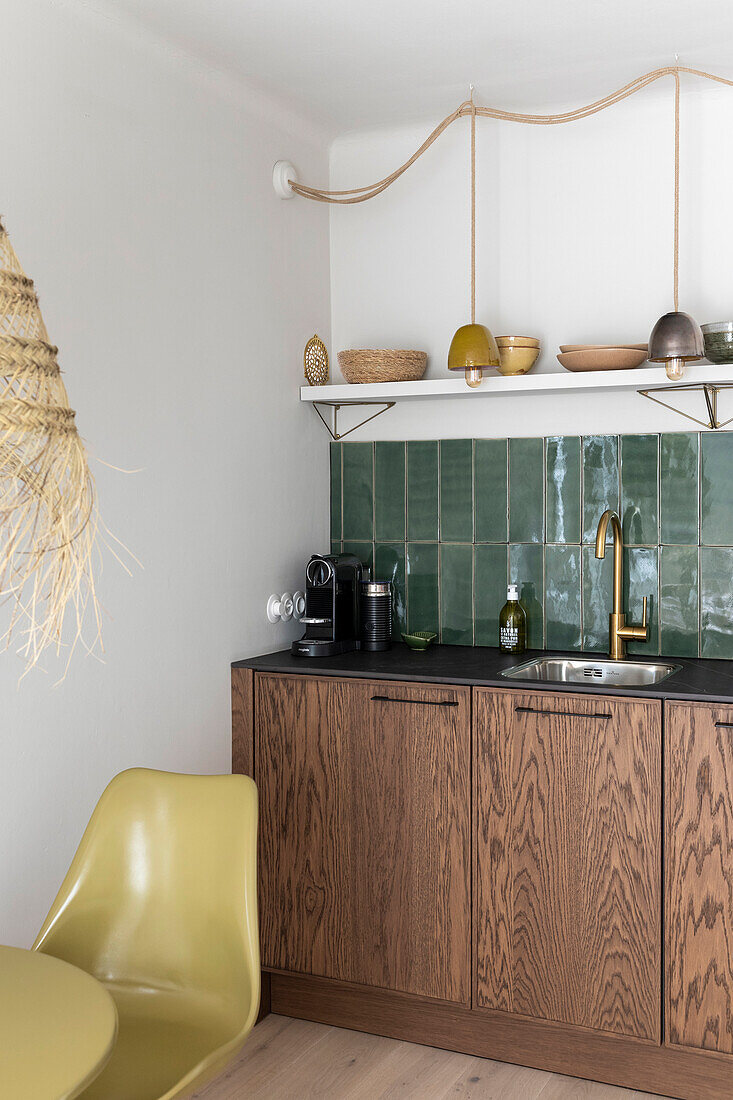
370, 191
361, 194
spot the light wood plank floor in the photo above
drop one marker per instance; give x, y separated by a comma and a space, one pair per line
288, 1059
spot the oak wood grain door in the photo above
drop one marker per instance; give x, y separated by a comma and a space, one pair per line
699, 876
567, 872
365, 831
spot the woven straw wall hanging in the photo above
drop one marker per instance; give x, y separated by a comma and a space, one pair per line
48, 516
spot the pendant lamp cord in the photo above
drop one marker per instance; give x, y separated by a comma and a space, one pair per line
473, 209
361, 194
676, 188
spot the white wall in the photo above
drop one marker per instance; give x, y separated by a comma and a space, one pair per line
136, 189
574, 245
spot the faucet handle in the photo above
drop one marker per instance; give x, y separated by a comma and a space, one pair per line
643, 616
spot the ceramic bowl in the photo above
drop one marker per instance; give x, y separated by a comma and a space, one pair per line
603, 347
517, 342
718, 338
419, 639
602, 359
516, 359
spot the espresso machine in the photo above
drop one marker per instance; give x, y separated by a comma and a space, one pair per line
331, 616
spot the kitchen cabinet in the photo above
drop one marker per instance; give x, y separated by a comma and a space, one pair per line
365, 831
699, 876
567, 859
479, 866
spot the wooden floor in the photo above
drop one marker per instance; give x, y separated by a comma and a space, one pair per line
288, 1059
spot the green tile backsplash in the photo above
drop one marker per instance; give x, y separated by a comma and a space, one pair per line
450, 522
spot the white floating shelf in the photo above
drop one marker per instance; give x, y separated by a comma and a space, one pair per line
494, 385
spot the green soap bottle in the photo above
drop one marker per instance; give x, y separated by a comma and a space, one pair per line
512, 623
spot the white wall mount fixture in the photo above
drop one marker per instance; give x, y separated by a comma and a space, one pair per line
280, 608
299, 604
281, 173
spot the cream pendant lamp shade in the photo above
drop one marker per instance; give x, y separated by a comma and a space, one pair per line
676, 338
473, 348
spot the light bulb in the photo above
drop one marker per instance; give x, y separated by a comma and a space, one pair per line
675, 369
474, 376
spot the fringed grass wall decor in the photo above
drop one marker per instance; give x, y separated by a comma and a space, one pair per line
48, 515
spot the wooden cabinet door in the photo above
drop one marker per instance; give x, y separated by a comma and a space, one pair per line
365, 831
567, 872
699, 876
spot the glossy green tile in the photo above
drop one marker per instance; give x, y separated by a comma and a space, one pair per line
597, 599
389, 492
389, 565
335, 490
563, 626
600, 481
641, 578
717, 489
490, 584
678, 488
562, 488
526, 490
422, 586
456, 593
422, 491
490, 489
335, 546
358, 495
716, 601
526, 570
639, 480
456, 490
364, 552
678, 612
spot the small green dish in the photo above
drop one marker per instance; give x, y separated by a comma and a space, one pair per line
419, 639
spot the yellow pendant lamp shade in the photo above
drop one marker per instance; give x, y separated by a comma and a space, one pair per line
472, 350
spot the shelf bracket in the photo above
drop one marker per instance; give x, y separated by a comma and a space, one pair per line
335, 434
710, 392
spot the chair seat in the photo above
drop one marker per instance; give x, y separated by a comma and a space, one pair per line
166, 1038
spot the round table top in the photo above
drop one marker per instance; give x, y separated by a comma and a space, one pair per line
58, 1026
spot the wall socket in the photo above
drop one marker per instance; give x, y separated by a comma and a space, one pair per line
283, 608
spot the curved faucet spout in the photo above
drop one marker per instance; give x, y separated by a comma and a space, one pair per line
618, 538
619, 632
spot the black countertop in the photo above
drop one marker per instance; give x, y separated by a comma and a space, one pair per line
702, 680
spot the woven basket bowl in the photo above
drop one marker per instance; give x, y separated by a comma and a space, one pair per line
372, 365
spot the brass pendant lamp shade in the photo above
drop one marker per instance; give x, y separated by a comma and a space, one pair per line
473, 348
676, 339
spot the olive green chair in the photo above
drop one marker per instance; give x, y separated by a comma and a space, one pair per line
160, 905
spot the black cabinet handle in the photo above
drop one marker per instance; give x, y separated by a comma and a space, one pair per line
415, 702
561, 713
725, 725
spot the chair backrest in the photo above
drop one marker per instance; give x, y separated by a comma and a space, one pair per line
162, 890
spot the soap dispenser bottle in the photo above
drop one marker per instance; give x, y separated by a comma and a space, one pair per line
512, 623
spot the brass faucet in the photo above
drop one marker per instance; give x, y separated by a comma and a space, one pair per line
619, 633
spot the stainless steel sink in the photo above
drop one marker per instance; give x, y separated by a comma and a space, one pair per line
591, 671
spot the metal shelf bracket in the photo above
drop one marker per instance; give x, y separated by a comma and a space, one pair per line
336, 406
708, 389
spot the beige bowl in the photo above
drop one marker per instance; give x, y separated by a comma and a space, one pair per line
602, 347
602, 359
517, 342
516, 359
